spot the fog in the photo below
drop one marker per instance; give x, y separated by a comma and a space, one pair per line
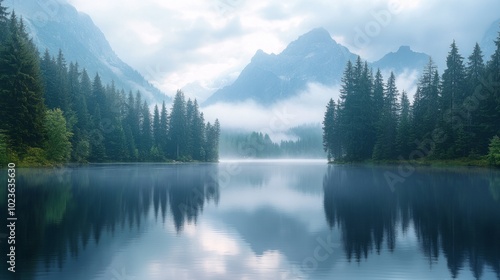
308, 107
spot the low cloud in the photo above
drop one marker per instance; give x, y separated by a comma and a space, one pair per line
307, 107
189, 41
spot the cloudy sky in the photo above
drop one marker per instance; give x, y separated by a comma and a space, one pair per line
206, 43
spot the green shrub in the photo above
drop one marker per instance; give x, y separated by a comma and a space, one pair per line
35, 157
494, 152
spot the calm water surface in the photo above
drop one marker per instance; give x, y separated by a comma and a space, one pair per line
255, 220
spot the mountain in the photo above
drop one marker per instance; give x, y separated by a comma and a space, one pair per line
403, 58
313, 58
55, 25
488, 42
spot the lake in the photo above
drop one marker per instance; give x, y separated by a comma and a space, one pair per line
255, 220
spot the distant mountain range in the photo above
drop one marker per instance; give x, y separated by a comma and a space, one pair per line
313, 58
488, 42
56, 25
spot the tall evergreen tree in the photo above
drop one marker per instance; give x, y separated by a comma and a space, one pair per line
78, 101
475, 74
21, 90
197, 133
453, 83
387, 125
356, 117
492, 112
212, 141
178, 132
96, 138
328, 129
146, 135
156, 127
404, 136
163, 133
426, 103
451, 101
378, 95
62, 88
49, 75
4, 23
98, 95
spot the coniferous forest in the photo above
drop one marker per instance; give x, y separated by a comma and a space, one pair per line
454, 114
53, 112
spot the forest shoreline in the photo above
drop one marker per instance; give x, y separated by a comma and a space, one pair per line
86, 164
481, 162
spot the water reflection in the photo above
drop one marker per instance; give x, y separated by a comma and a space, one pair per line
61, 212
266, 222
455, 213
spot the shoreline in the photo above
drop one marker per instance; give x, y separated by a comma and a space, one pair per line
460, 162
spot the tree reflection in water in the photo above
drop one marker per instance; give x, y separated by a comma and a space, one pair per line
452, 213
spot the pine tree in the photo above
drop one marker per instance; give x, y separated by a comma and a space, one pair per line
328, 129
80, 130
404, 128
426, 103
96, 138
146, 135
475, 72
4, 23
378, 95
21, 90
178, 132
197, 133
491, 112
190, 116
212, 141
156, 127
49, 75
62, 87
163, 134
356, 117
98, 96
451, 100
387, 125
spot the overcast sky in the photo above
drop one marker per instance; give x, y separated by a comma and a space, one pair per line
174, 43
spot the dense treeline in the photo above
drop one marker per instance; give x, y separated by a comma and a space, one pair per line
52, 112
453, 115
260, 145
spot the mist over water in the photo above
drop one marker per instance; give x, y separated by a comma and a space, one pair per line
262, 219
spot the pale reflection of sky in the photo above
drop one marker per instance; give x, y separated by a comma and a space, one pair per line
228, 242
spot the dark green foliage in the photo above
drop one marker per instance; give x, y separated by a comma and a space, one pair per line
146, 136
86, 121
4, 21
494, 151
178, 132
212, 141
403, 137
456, 114
328, 129
356, 124
21, 90
387, 123
452, 97
426, 102
475, 72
